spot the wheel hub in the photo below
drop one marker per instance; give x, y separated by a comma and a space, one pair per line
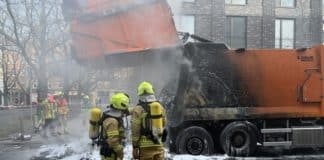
195, 146
238, 139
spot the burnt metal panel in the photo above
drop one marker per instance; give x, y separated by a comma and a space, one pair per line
210, 75
216, 113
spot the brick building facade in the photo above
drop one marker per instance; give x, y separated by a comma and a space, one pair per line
254, 23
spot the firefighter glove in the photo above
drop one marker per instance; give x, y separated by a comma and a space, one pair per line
164, 135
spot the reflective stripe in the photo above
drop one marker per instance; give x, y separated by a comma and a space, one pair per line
146, 142
135, 137
121, 129
143, 145
112, 133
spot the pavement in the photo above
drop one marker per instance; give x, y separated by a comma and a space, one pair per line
69, 147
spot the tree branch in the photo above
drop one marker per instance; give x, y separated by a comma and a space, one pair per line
18, 42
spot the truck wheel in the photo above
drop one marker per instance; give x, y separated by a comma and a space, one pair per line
238, 139
195, 141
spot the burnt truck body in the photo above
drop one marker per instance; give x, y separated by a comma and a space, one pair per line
236, 99
216, 98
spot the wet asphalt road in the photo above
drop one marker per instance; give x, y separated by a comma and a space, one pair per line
25, 151
10, 150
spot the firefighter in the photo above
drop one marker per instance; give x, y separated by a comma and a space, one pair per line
113, 129
86, 103
62, 110
49, 114
85, 107
148, 125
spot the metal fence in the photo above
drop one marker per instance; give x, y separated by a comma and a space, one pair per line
22, 119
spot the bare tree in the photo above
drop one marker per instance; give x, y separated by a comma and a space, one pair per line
87, 82
12, 68
36, 31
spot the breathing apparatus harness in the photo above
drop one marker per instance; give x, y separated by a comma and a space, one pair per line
146, 127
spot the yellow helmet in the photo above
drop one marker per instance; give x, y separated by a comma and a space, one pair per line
145, 88
58, 93
120, 101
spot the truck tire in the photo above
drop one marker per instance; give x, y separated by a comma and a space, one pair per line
238, 139
196, 141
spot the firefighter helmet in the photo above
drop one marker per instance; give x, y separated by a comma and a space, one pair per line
59, 93
145, 88
120, 101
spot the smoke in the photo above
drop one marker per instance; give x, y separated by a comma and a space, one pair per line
176, 6
157, 64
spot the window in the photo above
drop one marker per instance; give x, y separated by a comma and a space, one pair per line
236, 32
238, 2
185, 23
285, 33
285, 3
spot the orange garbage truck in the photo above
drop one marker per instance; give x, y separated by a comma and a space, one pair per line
103, 27
237, 99
217, 99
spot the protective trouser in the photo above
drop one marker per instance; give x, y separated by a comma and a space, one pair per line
114, 133
152, 153
62, 128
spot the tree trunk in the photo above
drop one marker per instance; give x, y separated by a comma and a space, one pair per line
5, 79
66, 86
27, 95
42, 88
66, 73
1, 95
5, 96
